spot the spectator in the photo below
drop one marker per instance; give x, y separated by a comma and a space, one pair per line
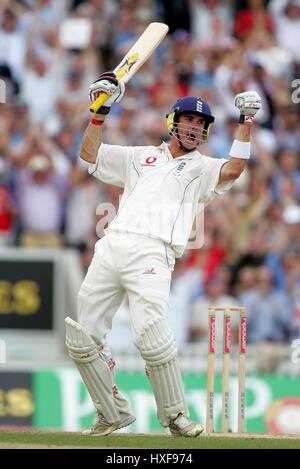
269, 319
204, 14
291, 217
43, 80
177, 14
277, 238
12, 45
40, 194
83, 197
286, 120
286, 179
184, 284
214, 295
269, 311
245, 280
286, 15
255, 255
284, 267
252, 19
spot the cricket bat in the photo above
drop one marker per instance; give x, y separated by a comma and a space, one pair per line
135, 57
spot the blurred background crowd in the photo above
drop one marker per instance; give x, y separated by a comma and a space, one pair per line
215, 49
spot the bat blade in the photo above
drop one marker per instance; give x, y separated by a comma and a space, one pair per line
136, 57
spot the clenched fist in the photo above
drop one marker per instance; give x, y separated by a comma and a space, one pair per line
248, 103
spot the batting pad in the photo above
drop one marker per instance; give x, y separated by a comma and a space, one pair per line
93, 369
158, 348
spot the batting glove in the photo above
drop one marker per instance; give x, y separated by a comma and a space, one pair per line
248, 103
107, 83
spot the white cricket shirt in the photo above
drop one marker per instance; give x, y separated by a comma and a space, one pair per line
162, 195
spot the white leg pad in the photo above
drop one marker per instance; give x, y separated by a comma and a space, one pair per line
158, 348
93, 369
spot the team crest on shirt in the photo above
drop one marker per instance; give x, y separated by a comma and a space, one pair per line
178, 170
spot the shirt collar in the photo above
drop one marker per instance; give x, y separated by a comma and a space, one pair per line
165, 147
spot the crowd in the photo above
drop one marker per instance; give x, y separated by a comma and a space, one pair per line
51, 50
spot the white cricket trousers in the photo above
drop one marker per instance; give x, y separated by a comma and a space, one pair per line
125, 263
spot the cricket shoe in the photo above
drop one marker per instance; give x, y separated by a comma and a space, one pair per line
101, 427
182, 426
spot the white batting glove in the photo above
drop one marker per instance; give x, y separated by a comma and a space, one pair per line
107, 83
248, 103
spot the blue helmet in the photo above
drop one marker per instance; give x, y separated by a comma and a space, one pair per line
190, 104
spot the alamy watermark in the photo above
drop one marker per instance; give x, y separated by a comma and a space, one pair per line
2, 91
295, 345
2, 352
296, 93
158, 220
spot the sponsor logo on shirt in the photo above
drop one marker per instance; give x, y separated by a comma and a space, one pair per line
150, 161
178, 170
149, 271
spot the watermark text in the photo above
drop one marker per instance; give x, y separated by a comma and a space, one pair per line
296, 93
170, 222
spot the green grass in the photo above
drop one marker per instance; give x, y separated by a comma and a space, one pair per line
16, 438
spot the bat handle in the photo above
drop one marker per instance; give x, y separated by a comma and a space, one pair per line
99, 102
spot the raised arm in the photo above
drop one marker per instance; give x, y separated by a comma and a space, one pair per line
92, 137
249, 104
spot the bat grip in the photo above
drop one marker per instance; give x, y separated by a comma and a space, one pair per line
99, 102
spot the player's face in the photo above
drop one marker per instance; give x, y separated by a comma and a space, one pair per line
190, 127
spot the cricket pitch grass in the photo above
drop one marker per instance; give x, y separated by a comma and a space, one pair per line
30, 439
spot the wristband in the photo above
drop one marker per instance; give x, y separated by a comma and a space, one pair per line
96, 122
240, 150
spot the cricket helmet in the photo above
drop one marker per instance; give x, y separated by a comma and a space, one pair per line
190, 104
